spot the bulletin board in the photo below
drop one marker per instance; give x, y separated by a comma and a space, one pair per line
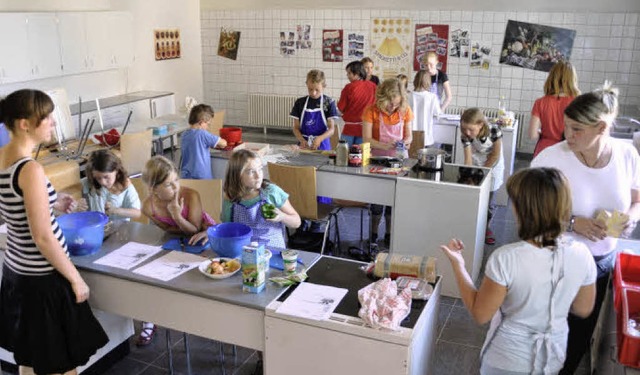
430, 38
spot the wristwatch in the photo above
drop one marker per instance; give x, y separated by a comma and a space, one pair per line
572, 222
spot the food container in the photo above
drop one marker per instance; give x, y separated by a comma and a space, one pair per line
394, 266
227, 239
232, 135
431, 158
627, 333
84, 231
626, 275
420, 289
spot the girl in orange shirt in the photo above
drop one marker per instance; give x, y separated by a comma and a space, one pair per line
384, 124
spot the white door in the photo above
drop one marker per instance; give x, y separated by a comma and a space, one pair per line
14, 59
73, 42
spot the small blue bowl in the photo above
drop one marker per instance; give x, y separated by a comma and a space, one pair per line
228, 239
84, 231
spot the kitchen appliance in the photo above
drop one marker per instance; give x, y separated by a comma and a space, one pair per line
431, 158
451, 173
385, 161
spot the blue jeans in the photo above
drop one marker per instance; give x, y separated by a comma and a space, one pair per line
352, 139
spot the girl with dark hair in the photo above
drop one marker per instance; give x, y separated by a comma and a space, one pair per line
357, 95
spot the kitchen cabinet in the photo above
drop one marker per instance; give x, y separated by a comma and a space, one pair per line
109, 40
164, 105
434, 211
73, 42
43, 45
14, 59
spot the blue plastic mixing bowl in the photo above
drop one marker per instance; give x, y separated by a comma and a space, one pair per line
227, 239
84, 231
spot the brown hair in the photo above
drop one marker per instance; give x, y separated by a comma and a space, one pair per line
542, 201
199, 113
316, 76
593, 107
357, 68
474, 116
105, 161
156, 171
422, 80
562, 79
26, 104
389, 89
365, 60
233, 187
404, 80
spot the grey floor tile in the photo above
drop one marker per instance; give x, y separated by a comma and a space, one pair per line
455, 359
444, 310
126, 366
462, 329
448, 300
157, 348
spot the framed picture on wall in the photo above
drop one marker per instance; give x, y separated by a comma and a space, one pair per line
167, 44
534, 46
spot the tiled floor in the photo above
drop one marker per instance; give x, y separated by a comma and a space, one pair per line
459, 339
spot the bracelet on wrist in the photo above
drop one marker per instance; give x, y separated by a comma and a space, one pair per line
572, 223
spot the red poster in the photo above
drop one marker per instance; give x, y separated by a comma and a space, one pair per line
430, 38
332, 45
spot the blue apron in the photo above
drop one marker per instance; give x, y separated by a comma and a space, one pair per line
314, 123
267, 233
434, 87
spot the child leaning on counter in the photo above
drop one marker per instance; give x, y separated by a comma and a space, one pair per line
173, 208
530, 286
314, 115
482, 144
196, 141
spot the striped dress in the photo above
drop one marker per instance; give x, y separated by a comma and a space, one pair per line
22, 255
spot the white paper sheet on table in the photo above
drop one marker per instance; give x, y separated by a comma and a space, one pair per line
312, 301
170, 266
129, 255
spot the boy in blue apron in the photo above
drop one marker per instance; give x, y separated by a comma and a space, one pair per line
313, 115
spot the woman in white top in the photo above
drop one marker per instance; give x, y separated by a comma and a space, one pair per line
530, 286
604, 173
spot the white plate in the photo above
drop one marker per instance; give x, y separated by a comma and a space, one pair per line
203, 269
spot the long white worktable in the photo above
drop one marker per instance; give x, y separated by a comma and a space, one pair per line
219, 310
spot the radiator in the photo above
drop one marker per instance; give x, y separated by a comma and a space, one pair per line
270, 110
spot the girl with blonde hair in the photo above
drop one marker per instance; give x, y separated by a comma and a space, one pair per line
547, 117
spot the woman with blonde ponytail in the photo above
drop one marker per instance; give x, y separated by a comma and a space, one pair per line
604, 174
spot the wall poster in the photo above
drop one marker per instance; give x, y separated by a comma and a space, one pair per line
480, 55
459, 46
167, 44
228, 44
430, 38
356, 46
287, 43
304, 36
391, 46
535, 46
332, 45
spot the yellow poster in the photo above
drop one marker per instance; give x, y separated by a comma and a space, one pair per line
391, 46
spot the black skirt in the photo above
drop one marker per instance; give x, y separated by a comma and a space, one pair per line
44, 327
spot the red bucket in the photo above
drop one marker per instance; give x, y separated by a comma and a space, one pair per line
233, 136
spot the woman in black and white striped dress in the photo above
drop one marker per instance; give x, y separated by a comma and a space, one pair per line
44, 317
